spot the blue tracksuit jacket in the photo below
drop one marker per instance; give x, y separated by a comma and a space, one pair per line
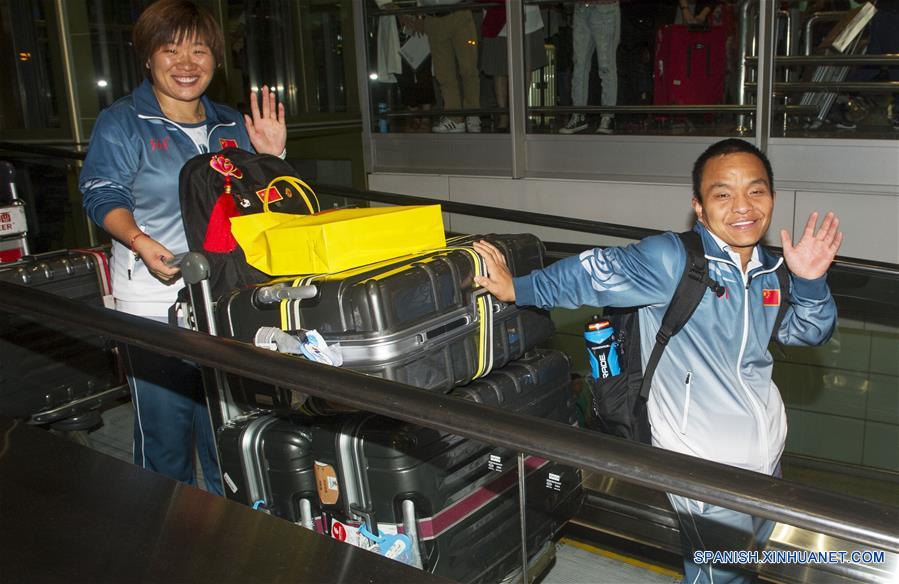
712, 395
133, 162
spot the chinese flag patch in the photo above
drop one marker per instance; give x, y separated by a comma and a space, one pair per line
274, 195
227, 143
770, 297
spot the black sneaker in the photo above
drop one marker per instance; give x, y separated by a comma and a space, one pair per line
842, 122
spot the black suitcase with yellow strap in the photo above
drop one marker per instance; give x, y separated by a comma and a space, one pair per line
418, 320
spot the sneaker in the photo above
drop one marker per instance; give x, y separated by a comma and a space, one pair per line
576, 123
605, 125
448, 126
843, 116
473, 125
843, 123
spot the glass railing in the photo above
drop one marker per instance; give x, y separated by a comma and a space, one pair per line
629, 68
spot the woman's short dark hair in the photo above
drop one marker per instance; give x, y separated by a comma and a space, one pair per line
721, 148
172, 21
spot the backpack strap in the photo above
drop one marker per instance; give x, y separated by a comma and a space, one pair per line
783, 279
689, 292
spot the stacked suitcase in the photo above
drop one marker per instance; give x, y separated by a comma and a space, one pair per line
444, 503
50, 373
690, 65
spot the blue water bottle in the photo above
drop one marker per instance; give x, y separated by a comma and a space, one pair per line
383, 126
602, 348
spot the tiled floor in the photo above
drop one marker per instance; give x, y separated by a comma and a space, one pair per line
115, 436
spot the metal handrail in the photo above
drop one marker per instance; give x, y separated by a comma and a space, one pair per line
857, 520
658, 109
853, 87
788, 61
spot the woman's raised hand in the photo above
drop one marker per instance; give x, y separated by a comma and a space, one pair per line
267, 127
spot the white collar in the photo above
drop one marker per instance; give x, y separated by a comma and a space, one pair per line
754, 261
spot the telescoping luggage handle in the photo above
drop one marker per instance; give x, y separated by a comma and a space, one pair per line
275, 293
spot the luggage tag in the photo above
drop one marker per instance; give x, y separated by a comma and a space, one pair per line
309, 344
396, 547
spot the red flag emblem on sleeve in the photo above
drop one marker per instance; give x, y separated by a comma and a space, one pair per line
770, 297
227, 143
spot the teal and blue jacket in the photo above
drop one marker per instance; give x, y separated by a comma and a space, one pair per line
712, 394
133, 162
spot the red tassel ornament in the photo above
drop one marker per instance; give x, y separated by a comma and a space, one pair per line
218, 231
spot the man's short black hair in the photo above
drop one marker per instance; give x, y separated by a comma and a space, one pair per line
728, 146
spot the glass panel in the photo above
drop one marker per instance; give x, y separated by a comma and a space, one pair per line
55, 220
841, 398
298, 48
865, 106
323, 33
265, 50
640, 67
25, 42
117, 70
401, 51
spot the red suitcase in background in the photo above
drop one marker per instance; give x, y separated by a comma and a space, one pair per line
690, 65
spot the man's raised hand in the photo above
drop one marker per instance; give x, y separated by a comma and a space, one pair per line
812, 255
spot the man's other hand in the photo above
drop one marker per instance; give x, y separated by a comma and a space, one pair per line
812, 255
498, 280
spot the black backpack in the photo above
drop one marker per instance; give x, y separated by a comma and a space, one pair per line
619, 401
207, 205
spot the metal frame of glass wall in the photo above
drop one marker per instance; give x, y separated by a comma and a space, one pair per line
860, 164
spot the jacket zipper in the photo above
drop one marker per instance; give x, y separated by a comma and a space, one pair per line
688, 382
759, 417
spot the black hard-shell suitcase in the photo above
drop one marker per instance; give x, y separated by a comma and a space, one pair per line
267, 463
417, 320
460, 497
51, 372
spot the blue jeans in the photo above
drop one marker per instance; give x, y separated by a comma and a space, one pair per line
597, 27
170, 417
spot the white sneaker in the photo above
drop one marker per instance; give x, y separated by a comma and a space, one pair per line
576, 123
605, 125
473, 124
448, 126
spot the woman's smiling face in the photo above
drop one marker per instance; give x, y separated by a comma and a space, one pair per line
182, 71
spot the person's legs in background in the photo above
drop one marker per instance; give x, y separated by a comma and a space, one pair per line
444, 61
582, 52
606, 28
465, 48
883, 39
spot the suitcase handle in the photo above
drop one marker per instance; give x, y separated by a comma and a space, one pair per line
275, 293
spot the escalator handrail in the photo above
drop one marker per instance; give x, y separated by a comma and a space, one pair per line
865, 522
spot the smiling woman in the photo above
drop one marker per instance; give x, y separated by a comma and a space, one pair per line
130, 186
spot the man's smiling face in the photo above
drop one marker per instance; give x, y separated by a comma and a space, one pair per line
737, 200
